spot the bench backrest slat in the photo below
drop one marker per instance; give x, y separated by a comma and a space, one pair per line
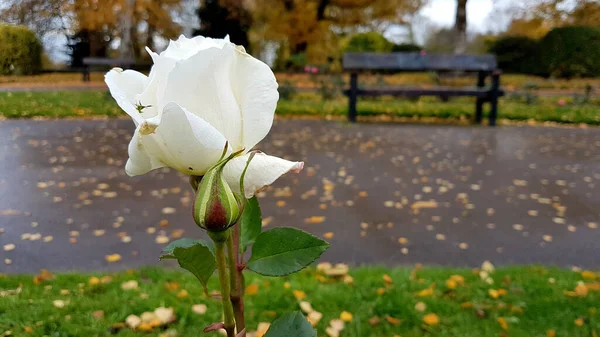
106, 61
418, 62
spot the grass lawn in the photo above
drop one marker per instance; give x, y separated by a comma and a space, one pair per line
521, 301
96, 103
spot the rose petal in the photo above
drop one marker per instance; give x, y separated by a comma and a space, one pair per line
202, 84
183, 48
124, 86
255, 89
181, 140
262, 171
231, 90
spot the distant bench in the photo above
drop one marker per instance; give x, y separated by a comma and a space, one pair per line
94, 62
483, 65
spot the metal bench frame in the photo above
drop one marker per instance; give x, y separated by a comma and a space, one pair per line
89, 62
483, 65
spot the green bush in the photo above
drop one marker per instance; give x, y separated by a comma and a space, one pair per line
569, 52
20, 51
407, 47
517, 54
368, 42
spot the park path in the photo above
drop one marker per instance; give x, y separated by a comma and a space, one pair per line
380, 193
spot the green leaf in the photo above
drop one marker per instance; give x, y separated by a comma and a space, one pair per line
292, 324
250, 223
196, 256
285, 250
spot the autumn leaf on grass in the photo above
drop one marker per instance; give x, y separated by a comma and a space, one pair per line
581, 290
502, 323
427, 291
43, 276
431, 319
588, 275
252, 289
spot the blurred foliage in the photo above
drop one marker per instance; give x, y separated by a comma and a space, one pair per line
535, 18
219, 18
368, 42
518, 54
320, 28
570, 52
20, 51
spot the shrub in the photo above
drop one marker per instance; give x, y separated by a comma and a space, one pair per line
569, 52
517, 54
406, 47
20, 51
368, 42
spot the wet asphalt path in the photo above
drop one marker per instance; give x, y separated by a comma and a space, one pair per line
381, 193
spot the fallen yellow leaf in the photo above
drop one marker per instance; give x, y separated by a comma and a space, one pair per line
252, 289
427, 291
393, 321
346, 316
299, 294
503, 323
314, 219
112, 258
588, 275
431, 319
387, 278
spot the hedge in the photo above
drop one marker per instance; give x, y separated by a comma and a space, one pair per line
569, 52
20, 51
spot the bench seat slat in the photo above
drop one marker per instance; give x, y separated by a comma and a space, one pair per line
415, 92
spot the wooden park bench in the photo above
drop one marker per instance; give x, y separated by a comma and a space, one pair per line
89, 62
484, 65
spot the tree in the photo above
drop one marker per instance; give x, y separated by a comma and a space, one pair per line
538, 17
219, 18
316, 28
460, 27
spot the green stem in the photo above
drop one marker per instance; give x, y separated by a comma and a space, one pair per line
235, 273
229, 321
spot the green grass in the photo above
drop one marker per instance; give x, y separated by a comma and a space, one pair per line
80, 104
532, 305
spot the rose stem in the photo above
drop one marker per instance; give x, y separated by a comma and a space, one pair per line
235, 270
225, 295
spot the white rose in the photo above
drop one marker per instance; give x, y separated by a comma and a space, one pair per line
201, 93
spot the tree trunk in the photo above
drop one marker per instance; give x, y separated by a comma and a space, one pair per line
126, 47
460, 27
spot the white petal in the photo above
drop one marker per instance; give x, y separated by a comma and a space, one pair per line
182, 141
156, 80
202, 85
183, 48
124, 86
262, 171
230, 89
140, 161
255, 89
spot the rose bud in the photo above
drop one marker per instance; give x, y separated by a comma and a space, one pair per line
216, 207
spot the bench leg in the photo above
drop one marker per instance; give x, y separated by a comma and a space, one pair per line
478, 110
493, 111
494, 97
352, 95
